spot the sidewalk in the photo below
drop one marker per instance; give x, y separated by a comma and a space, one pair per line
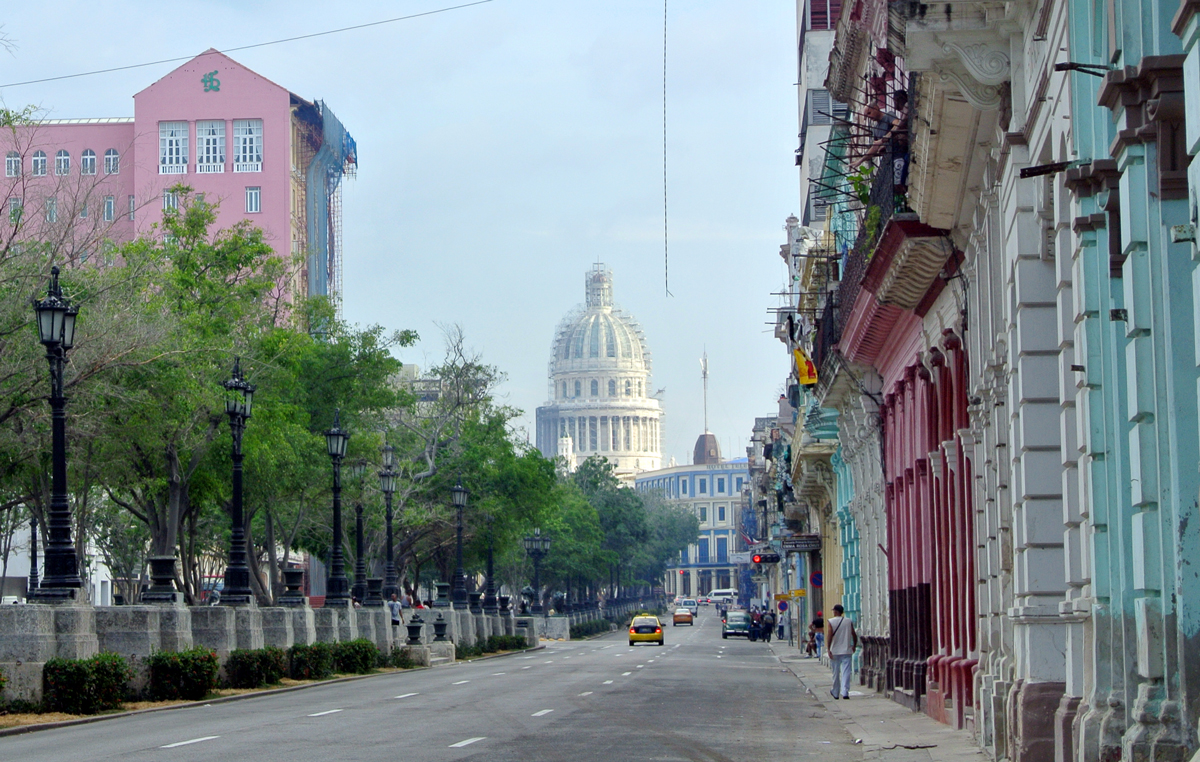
888, 732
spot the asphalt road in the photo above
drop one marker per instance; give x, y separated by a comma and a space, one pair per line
699, 697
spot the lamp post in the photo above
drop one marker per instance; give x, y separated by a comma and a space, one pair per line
56, 330
491, 605
239, 400
537, 547
387, 483
337, 587
357, 469
458, 494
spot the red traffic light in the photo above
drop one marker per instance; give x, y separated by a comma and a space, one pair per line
765, 558
757, 558
681, 571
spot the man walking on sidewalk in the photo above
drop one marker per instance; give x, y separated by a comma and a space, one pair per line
842, 642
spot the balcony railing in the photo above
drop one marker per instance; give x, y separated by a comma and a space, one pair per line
210, 168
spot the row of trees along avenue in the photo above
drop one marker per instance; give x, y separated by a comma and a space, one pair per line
161, 320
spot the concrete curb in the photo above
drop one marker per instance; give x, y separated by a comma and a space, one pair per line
23, 729
852, 727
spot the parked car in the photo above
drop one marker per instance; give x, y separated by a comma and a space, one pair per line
645, 629
736, 623
683, 616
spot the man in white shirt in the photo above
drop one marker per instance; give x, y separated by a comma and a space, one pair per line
842, 642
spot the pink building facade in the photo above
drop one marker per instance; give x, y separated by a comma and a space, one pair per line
257, 151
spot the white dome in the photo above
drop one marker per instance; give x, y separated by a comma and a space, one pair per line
599, 336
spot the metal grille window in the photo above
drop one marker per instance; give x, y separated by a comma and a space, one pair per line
253, 200
172, 148
247, 145
39, 164
62, 163
12, 164
210, 146
110, 208
87, 162
112, 162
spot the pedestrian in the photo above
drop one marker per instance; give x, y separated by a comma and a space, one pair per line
818, 630
767, 625
843, 642
397, 611
755, 624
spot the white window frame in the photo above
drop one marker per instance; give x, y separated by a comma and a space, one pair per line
172, 148
170, 200
38, 164
210, 146
51, 210
253, 200
132, 207
247, 145
15, 209
112, 162
12, 164
110, 208
62, 162
87, 162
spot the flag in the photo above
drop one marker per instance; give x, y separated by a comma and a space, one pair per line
806, 372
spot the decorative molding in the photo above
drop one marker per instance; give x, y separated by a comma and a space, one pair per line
985, 64
981, 96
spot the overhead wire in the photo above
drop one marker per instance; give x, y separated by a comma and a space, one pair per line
666, 258
248, 47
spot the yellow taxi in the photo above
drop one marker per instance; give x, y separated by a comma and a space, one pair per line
645, 629
682, 616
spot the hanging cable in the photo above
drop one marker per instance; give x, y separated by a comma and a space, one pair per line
248, 47
666, 259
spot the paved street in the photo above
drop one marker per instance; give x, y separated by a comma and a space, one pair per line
697, 698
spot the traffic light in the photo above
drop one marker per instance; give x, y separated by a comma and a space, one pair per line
681, 572
766, 558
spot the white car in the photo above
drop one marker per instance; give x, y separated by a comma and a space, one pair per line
691, 605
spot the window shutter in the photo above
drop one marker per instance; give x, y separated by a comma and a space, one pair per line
818, 107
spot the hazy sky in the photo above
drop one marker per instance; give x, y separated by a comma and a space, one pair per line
503, 148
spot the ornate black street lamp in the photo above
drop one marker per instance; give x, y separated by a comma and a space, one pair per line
491, 605
458, 494
537, 547
56, 330
357, 469
239, 401
337, 587
387, 483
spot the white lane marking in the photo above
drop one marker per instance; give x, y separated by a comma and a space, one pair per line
541, 713
528, 657
641, 666
499, 673
547, 662
626, 674
586, 693
186, 743
608, 682
327, 711
460, 682
467, 742
406, 695
527, 666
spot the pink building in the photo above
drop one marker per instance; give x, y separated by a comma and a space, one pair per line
258, 151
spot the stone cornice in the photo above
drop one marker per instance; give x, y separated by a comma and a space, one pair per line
1187, 10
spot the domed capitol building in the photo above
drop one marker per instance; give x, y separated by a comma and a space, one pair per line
600, 397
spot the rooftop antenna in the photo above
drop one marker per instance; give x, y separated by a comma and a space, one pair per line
704, 376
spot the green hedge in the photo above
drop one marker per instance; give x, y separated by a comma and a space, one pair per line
254, 668
190, 674
3, 680
313, 662
85, 686
590, 627
400, 659
355, 657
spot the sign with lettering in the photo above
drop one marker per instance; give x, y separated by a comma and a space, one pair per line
801, 543
210, 82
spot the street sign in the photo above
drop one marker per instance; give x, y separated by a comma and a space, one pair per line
801, 543
815, 579
783, 605
739, 558
799, 593
781, 596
